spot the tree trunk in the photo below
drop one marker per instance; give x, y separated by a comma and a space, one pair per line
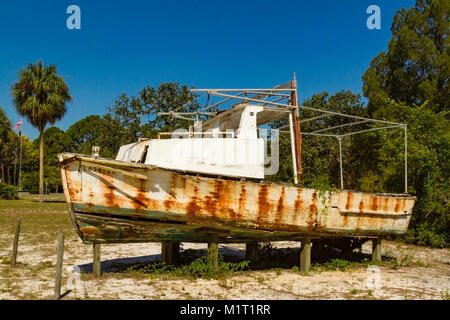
8, 172
41, 167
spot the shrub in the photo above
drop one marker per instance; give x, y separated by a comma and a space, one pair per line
426, 235
8, 192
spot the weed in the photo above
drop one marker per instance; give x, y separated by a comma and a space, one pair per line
199, 268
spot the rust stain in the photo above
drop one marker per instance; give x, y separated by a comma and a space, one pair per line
385, 204
403, 205
312, 212
139, 202
264, 206
349, 200
242, 200
90, 231
361, 206
374, 204
345, 221
109, 196
397, 205
298, 204
193, 208
280, 207
168, 204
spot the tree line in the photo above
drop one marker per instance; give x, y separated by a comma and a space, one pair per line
408, 83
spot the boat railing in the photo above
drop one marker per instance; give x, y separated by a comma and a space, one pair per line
192, 134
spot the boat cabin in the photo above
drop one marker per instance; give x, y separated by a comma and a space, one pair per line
227, 144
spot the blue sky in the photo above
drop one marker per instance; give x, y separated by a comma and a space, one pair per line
124, 45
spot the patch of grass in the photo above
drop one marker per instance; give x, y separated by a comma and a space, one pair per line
30, 203
42, 227
335, 264
277, 271
445, 295
198, 268
403, 261
354, 291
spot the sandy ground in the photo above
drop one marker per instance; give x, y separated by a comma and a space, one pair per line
425, 274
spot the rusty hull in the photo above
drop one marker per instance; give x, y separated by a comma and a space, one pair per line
157, 204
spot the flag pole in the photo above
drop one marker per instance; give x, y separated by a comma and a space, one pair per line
20, 161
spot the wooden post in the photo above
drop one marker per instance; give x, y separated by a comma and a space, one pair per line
317, 250
59, 266
96, 265
170, 251
213, 250
16, 243
251, 251
376, 249
305, 255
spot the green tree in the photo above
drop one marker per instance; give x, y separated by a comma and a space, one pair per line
428, 167
84, 134
416, 66
41, 96
410, 84
133, 117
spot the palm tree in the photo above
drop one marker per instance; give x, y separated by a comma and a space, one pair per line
40, 95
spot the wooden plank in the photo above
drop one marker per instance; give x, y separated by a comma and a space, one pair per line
96, 266
251, 251
59, 266
170, 251
376, 249
305, 255
16, 243
213, 250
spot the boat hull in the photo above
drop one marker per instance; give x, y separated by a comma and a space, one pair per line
114, 202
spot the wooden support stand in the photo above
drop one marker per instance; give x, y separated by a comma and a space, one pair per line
15, 244
251, 251
59, 266
376, 249
170, 251
96, 265
213, 250
305, 255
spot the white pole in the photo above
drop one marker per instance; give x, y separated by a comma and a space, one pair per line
406, 159
340, 162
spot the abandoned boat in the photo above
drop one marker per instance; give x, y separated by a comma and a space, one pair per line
210, 180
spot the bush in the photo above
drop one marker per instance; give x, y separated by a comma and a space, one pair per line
8, 192
426, 235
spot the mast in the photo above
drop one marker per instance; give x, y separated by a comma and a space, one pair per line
296, 137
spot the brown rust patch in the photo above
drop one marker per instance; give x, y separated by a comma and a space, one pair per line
168, 204
397, 205
193, 208
374, 204
349, 200
385, 204
361, 206
280, 207
90, 231
298, 204
312, 212
264, 206
210, 204
109, 196
242, 198
345, 221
